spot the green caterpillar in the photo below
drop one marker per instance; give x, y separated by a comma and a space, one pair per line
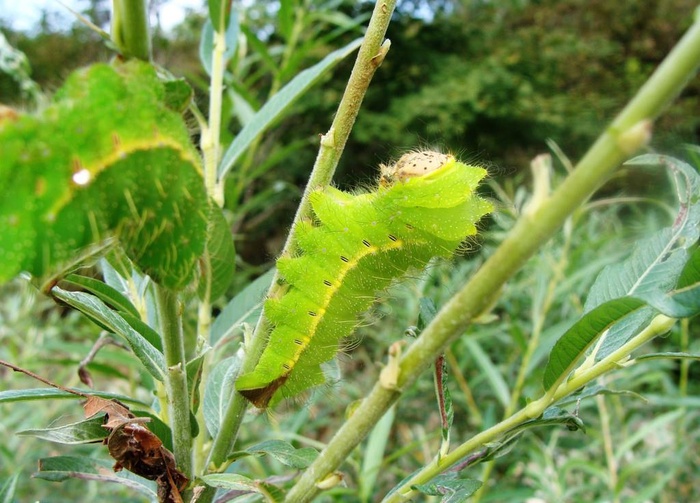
424, 207
109, 158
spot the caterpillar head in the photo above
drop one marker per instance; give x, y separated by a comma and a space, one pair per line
412, 164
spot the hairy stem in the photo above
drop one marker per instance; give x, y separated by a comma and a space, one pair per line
626, 134
368, 60
130, 28
176, 377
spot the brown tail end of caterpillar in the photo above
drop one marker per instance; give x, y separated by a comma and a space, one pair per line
260, 397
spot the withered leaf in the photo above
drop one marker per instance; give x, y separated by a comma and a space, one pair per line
135, 448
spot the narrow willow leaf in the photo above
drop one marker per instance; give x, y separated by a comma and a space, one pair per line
645, 431
194, 369
83, 432
668, 356
218, 392
22, 395
595, 390
220, 13
450, 486
206, 43
104, 292
690, 276
489, 371
554, 416
243, 308
231, 481
285, 453
61, 468
445, 407
152, 359
374, 454
144, 329
280, 102
624, 330
575, 341
221, 256
8, 488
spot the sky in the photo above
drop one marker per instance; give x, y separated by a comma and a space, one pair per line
25, 14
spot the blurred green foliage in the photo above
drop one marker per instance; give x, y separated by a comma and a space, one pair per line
491, 81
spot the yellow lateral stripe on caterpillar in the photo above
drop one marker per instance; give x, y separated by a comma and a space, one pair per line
358, 244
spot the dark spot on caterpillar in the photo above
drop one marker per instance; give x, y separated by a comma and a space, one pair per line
311, 313
298, 342
327, 283
344, 259
409, 227
392, 237
366, 243
286, 367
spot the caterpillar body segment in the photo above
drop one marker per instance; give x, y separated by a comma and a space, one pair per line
355, 246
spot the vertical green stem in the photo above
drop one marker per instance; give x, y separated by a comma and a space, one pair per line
130, 28
369, 58
211, 137
169, 310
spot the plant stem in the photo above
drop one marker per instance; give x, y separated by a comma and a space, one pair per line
369, 58
176, 377
622, 138
130, 28
659, 325
211, 135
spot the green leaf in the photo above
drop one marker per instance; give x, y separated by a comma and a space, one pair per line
690, 276
279, 103
444, 399
7, 490
285, 453
374, 454
83, 432
656, 262
21, 395
60, 468
427, 312
218, 392
554, 416
206, 44
489, 370
595, 390
194, 369
152, 359
625, 329
573, 344
104, 292
221, 256
231, 481
668, 356
178, 94
243, 485
243, 308
92, 167
219, 13
452, 488
145, 330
